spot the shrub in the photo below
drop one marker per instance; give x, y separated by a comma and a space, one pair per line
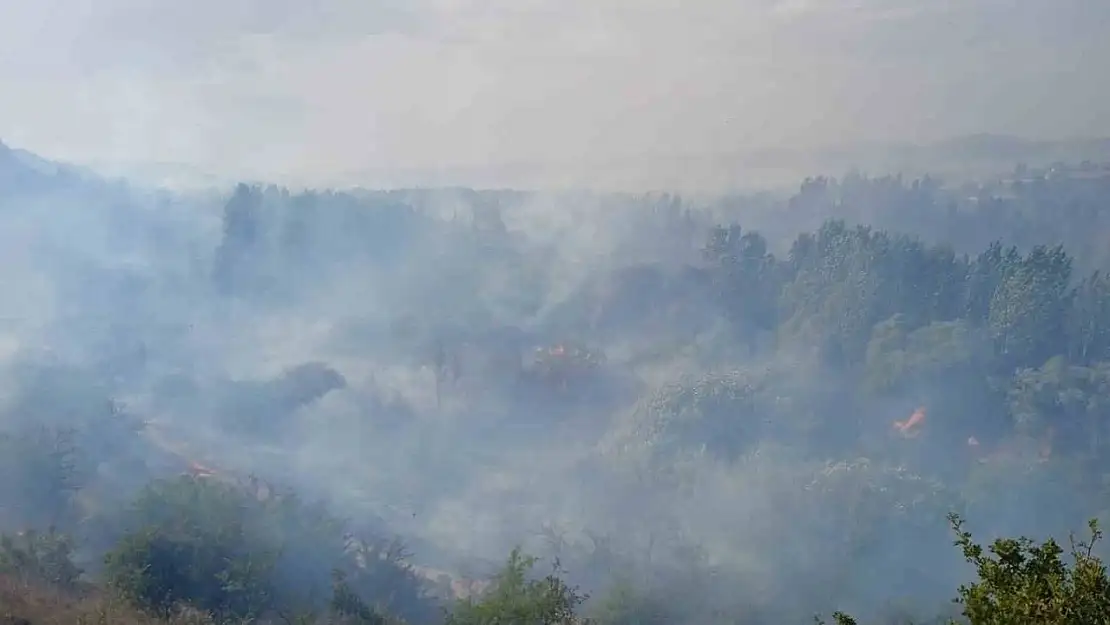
348, 607
1021, 582
40, 557
226, 549
192, 545
624, 604
514, 599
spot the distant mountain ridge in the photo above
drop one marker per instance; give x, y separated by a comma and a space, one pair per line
23, 171
970, 155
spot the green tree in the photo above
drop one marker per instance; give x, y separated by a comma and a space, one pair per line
747, 280
1021, 582
242, 236
1028, 309
1063, 404
1089, 320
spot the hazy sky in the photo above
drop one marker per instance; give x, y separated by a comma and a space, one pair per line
318, 87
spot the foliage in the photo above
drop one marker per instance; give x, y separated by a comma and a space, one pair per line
41, 472
1022, 582
839, 618
625, 604
515, 599
223, 548
792, 341
23, 603
40, 557
193, 545
348, 606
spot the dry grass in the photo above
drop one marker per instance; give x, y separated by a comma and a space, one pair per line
23, 603
27, 603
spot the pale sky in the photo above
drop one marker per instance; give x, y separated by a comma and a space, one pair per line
315, 89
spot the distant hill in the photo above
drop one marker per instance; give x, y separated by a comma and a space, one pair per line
957, 158
24, 172
961, 157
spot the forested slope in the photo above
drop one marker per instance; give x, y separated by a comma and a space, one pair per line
750, 409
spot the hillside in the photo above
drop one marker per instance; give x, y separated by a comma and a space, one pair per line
354, 405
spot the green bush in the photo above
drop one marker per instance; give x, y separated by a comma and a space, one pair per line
514, 599
348, 607
226, 549
1021, 582
625, 604
45, 557
193, 545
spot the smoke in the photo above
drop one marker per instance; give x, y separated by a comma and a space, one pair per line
385, 351
609, 94
474, 371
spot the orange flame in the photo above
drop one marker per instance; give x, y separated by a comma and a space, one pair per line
911, 426
199, 470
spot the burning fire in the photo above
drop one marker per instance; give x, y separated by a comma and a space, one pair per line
911, 426
199, 470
